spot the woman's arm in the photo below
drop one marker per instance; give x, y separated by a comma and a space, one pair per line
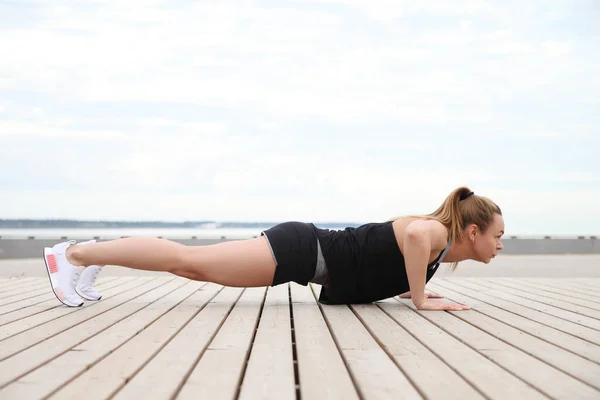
421, 239
417, 250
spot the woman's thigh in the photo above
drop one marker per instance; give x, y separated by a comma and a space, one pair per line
238, 263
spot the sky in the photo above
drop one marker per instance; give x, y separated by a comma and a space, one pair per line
341, 110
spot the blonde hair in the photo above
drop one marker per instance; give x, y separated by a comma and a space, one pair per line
461, 208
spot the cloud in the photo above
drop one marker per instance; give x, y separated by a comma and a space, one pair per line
301, 109
103, 63
251, 52
48, 129
179, 127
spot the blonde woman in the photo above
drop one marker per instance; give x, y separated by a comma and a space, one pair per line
361, 264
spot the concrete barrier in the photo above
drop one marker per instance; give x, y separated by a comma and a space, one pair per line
32, 247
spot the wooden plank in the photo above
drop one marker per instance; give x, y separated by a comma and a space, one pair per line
321, 369
32, 290
567, 285
39, 304
38, 283
54, 316
546, 378
590, 283
14, 298
552, 335
570, 284
505, 330
433, 378
562, 289
270, 370
51, 376
23, 283
570, 303
546, 298
375, 374
505, 294
29, 289
561, 324
219, 372
118, 368
487, 376
20, 309
175, 360
37, 353
11, 283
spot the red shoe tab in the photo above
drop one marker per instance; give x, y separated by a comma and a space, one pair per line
52, 263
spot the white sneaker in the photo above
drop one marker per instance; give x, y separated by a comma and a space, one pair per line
63, 275
88, 277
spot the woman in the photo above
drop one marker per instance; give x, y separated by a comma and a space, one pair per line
355, 265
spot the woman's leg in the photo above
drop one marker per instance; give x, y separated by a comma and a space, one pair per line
240, 263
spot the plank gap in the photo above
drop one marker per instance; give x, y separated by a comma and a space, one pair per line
77, 343
46, 299
227, 314
562, 368
82, 321
91, 365
466, 379
470, 345
337, 345
245, 366
38, 318
294, 351
529, 293
385, 350
550, 310
545, 325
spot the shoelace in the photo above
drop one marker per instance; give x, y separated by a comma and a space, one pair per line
96, 273
76, 276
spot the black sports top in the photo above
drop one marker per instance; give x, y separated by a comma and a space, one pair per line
365, 264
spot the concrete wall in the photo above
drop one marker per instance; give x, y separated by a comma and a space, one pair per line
551, 246
33, 247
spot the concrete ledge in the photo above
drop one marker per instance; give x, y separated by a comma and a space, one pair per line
31, 247
549, 245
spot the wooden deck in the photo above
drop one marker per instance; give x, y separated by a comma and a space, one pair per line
159, 337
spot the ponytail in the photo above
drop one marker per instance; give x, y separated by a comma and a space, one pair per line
451, 213
461, 208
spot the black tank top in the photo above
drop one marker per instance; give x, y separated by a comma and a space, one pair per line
365, 264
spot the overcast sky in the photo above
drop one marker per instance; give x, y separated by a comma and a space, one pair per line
345, 110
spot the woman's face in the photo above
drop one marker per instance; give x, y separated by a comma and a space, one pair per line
486, 245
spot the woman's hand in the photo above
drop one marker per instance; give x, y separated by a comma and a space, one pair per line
429, 304
429, 295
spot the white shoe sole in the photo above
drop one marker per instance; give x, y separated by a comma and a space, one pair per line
85, 297
46, 253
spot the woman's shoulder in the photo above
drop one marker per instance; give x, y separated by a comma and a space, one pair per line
431, 227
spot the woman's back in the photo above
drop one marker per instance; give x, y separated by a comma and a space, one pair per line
365, 263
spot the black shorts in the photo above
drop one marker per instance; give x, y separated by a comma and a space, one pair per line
294, 246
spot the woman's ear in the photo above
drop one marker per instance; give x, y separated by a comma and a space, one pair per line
472, 231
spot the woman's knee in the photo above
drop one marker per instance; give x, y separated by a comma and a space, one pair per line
184, 263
